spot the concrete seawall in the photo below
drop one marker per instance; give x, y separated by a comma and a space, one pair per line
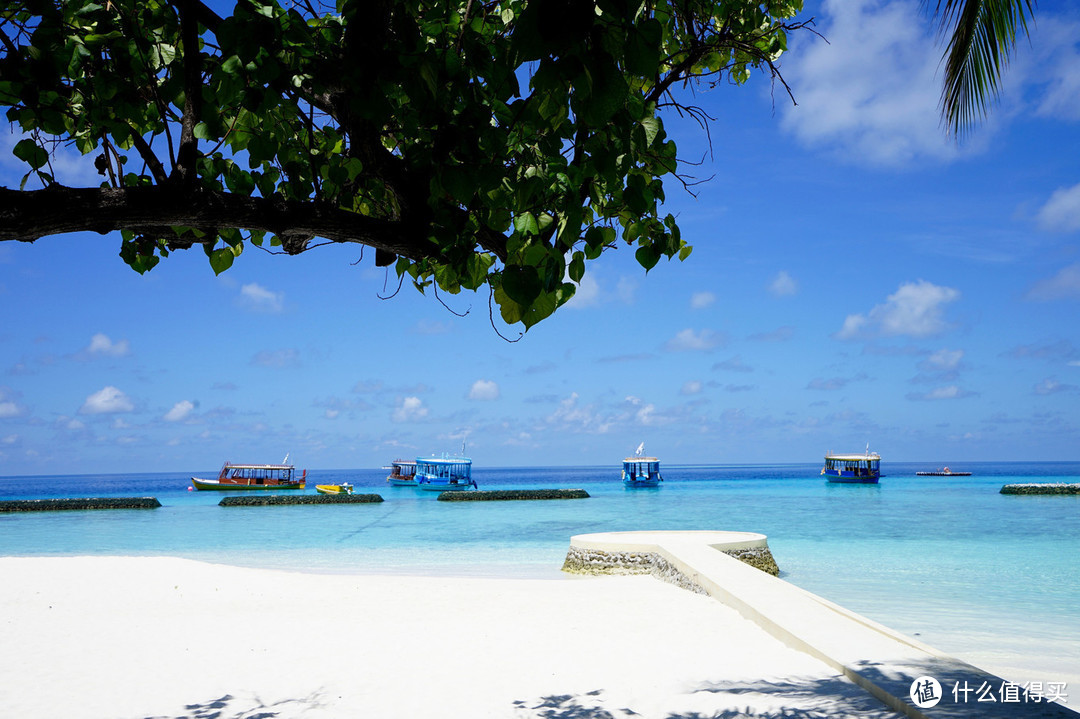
53, 505
1045, 488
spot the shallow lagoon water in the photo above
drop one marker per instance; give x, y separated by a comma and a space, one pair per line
992, 578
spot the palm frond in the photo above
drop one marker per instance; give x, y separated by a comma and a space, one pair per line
983, 34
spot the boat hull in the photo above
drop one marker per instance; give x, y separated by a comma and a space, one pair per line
401, 482
851, 479
446, 486
215, 486
640, 483
333, 488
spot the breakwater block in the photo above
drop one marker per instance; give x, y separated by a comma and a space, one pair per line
496, 495
277, 499
54, 505
1045, 488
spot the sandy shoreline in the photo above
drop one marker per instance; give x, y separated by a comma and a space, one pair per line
165, 637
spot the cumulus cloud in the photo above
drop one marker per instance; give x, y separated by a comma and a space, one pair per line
179, 411
595, 289
701, 300
484, 389
869, 94
409, 409
783, 285
916, 309
690, 341
9, 409
1064, 285
256, 297
569, 414
1061, 213
102, 346
108, 400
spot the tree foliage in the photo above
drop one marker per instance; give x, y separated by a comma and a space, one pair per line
503, 143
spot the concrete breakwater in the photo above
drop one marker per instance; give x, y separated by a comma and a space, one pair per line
280, 499
1044, 488
53, 505
596, 561
491, 495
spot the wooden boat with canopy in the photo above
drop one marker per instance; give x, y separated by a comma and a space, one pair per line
242, 477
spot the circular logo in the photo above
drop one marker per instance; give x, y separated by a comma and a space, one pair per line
925, 692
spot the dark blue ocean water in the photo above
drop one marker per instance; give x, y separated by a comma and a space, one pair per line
988, 576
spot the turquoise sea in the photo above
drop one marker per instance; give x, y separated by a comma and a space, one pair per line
991, 578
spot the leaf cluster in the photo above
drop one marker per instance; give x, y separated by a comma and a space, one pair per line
503, 143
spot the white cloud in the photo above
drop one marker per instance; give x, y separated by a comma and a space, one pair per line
1052, 61
690, 341
594, 290
701, 300
870, 93
100, 344
943, 360
108, 400
1061, 213
1052, 386
179, 411
1064, 285
783, 285
484, 389
915, 309
410, 409
579, 419
9, 409
258, 298
10, 439
691, 387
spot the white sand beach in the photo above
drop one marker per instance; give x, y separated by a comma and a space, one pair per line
140, 637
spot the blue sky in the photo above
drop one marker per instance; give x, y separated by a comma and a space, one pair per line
856, 278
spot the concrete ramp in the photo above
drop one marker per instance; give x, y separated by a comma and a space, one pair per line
884, 662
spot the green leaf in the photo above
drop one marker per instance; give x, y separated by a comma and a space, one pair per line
526, 224
521, 283
647, 257
577, 266
222, 259
652, 129
31, 153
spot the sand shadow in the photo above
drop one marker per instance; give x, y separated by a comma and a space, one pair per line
251, 707
795, 699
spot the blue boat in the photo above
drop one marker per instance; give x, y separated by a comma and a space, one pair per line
641, 471
444, 474
853, 468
